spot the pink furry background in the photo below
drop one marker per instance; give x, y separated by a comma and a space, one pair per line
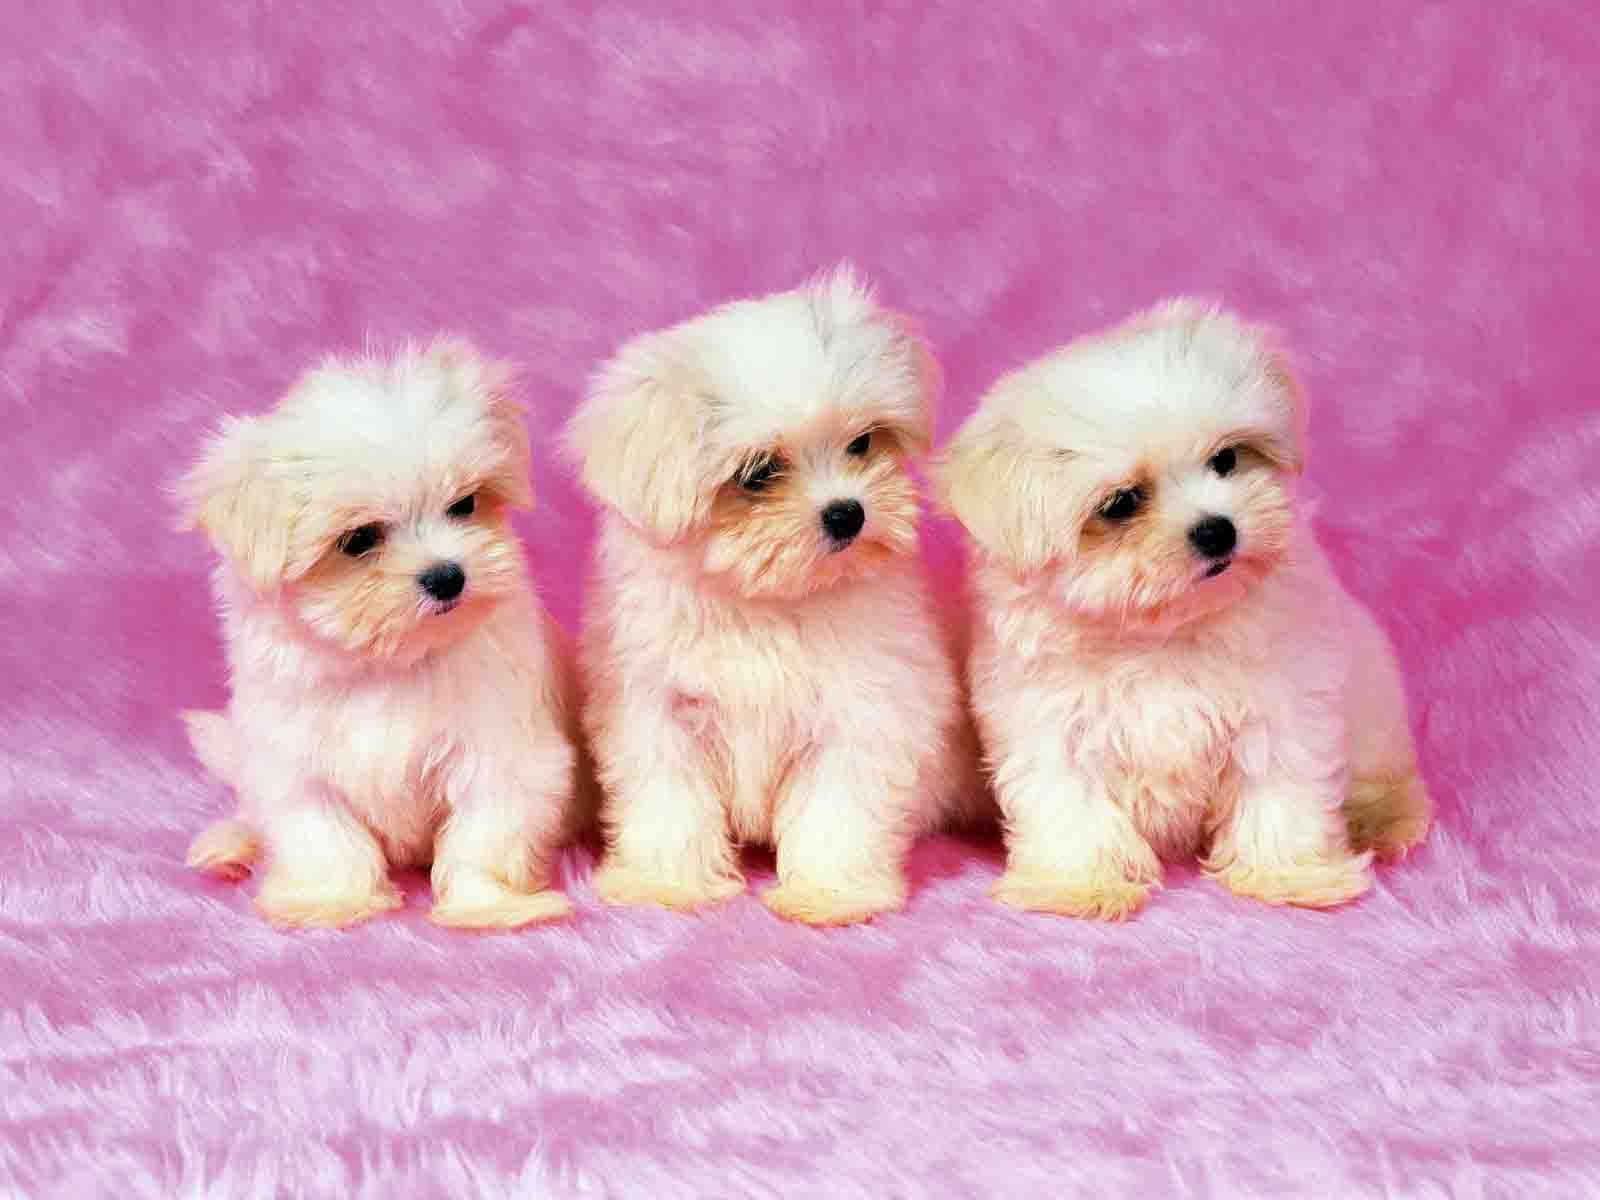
194, 207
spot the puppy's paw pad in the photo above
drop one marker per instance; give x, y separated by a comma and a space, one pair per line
816, 904
509, 911
1096, 900
625, 886
310, 910
1315, 883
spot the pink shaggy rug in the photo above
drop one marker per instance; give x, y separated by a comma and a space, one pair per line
196, 205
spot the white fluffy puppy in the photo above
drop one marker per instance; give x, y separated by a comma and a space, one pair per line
761, 660
398, 693
1163, 662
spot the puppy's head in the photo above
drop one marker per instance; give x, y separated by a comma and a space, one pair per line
1150, 468
768, 438
373, 500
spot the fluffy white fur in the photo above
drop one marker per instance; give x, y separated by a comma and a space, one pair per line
749, 678
372, 723
1137, 697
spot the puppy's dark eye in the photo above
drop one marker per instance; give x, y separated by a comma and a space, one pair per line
757, 476
465, 506
1122, 504
361, 540
1224, 461
860, 445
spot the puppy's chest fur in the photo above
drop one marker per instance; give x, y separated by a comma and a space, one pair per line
386, 749
385, 742
1159, 730
760, 689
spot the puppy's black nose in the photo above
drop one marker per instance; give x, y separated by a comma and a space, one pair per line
443, 581
843, 519
1214, 537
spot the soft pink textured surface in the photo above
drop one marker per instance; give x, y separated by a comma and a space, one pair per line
194, 208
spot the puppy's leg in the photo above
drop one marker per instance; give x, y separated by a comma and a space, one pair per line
1388, 809
1070, 849
226, 848
666, 826
492, 857
1283, 838
842, 831
324, 867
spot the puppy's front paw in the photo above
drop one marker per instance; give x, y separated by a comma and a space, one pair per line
227, 849
818, 904
1098, 898
1305, 883
295, 906
508, 910
618, 884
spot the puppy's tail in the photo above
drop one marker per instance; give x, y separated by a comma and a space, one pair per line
226, 848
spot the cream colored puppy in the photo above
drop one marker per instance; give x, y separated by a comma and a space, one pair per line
761, 660
398, 693
1163, 663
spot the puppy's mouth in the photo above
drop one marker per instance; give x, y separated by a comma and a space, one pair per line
438, 608
1218, 567
835, 545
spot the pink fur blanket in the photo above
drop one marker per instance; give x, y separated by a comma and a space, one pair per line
197, 205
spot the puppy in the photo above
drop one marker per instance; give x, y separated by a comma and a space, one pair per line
761, 660
1163, 663
398, 693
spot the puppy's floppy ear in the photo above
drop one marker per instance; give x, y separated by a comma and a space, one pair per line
994, 482
640, 436
234, 497
498, 383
